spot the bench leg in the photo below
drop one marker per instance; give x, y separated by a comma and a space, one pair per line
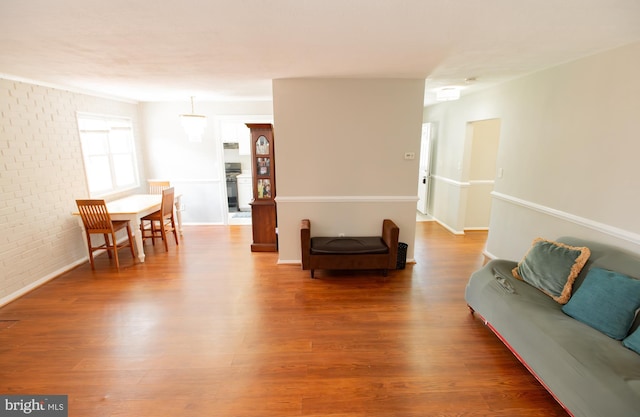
312, 271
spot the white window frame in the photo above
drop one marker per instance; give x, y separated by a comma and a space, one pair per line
115, 130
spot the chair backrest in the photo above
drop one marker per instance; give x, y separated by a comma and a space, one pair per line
156, 187
167, 201
95, 216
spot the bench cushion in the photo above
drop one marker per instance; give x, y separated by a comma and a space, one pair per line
348, 245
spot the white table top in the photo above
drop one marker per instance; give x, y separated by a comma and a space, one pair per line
134, 203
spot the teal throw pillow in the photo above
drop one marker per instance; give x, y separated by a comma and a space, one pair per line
633, 341
606, 301
552, 267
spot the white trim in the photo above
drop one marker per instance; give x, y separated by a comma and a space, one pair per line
450, 181
24, 290
449, 228
581, 221
462, 184
347, 199
481, 182
66, 88
488, 254
289, 262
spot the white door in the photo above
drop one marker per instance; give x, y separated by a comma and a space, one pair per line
424, 170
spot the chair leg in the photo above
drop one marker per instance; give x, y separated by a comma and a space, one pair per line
90, 251
106, 243
115, 250
175, 231
163, 233
153, 232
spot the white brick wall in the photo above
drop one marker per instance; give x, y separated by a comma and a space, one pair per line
41, 176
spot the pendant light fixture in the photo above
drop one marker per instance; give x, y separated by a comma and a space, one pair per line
193, 124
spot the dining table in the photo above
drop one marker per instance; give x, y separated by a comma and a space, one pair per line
133, 208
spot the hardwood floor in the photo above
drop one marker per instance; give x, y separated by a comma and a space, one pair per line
211, 329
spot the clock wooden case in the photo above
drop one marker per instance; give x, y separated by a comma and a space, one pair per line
263, 207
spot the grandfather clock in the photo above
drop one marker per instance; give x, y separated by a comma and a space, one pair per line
263, 207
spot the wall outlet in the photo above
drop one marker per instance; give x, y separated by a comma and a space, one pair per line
409, 155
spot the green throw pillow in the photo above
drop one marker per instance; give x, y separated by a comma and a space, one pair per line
552, 267
633, 341
606, 301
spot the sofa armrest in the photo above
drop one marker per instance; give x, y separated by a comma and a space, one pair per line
390, 233
305, 242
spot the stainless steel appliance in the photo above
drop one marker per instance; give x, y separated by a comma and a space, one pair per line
232, 170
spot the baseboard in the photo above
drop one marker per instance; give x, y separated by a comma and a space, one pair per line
289, 262
24, 290
489, 254
446, 226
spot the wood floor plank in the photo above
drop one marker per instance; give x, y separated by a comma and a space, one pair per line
211, 329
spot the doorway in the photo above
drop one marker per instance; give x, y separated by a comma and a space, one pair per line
236, 143
424, 173
483, 138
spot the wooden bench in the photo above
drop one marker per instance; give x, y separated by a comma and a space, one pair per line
346, 253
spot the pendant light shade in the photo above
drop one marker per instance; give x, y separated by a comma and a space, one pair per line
193, 124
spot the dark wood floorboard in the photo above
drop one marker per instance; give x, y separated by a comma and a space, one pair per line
211, 329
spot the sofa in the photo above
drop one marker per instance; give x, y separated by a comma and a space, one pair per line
584, 345
349, 252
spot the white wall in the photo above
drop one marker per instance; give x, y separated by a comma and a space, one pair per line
568, 147
196, 170
340, 147
41, 176
482, 150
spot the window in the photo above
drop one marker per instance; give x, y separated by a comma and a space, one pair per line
109, 153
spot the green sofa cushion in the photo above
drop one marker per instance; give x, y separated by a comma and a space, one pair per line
552, 267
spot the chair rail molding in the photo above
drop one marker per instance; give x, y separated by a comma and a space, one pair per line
451, 181
347, 199
581, 221
462, 184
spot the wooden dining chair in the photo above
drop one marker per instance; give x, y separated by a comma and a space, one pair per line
97, 221
162, 221
156, 187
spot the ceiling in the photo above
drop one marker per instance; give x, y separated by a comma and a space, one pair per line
159, 50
